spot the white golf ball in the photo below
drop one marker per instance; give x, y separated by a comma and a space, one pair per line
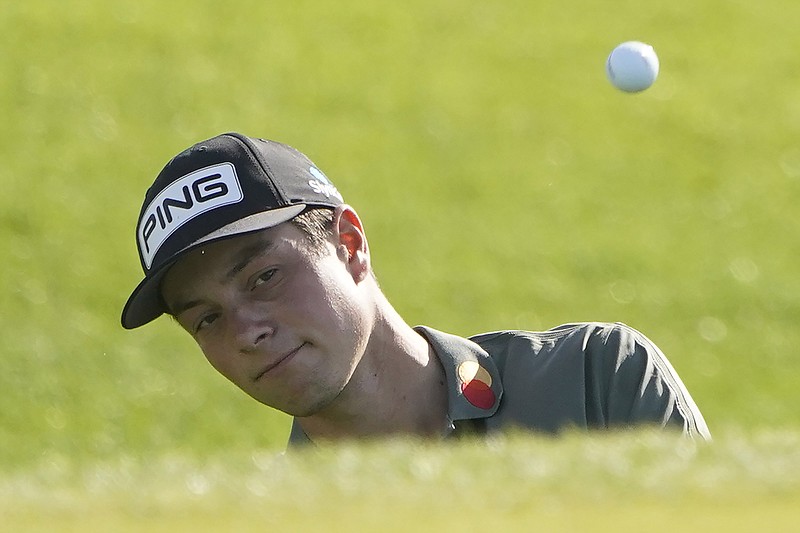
632, 66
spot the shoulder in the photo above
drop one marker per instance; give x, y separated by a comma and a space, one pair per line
603, 349
614, 348
579, 335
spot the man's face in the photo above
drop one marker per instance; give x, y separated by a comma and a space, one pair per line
285, 323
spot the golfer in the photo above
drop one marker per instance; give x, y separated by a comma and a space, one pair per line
252, 250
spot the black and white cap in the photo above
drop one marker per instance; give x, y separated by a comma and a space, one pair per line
228, 185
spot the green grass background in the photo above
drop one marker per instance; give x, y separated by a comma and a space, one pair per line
502, 181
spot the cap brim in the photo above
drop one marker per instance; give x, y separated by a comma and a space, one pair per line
145, 303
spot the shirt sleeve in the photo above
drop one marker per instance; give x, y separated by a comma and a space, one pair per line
629, 382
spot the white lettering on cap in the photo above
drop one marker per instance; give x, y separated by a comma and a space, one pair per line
184, 199
322, 185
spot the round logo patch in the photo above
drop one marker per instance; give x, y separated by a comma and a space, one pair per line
476, 384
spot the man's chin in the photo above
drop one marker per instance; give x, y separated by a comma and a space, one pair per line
310, 410
305, 407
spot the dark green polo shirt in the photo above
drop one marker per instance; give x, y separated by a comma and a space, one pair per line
575, 376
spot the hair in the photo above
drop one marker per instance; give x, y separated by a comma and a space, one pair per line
317, 224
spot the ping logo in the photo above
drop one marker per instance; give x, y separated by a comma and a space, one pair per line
322, 185
184, 199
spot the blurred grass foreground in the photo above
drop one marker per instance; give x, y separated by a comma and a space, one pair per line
631, 481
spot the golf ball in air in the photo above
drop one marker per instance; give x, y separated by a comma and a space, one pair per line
632, 66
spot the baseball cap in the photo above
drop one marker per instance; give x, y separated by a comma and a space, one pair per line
225, 186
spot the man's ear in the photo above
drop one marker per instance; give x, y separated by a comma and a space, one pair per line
351, 241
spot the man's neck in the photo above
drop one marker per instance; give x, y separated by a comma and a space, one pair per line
398, 388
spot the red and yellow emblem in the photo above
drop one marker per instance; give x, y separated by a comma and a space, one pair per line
476, 384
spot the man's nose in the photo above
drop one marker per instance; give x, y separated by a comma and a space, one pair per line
250, 328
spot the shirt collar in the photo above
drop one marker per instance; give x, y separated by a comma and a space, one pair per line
473, 382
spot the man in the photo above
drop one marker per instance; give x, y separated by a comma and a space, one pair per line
254, 252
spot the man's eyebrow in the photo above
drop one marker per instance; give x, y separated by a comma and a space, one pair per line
180, 307
244, 256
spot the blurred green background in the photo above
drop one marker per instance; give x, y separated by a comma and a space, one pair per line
502, 181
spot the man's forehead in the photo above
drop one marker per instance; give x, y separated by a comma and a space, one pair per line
232, 250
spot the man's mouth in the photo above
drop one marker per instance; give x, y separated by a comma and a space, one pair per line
279, 361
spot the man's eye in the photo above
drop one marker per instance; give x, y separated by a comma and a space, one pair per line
264, 277
205, 321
